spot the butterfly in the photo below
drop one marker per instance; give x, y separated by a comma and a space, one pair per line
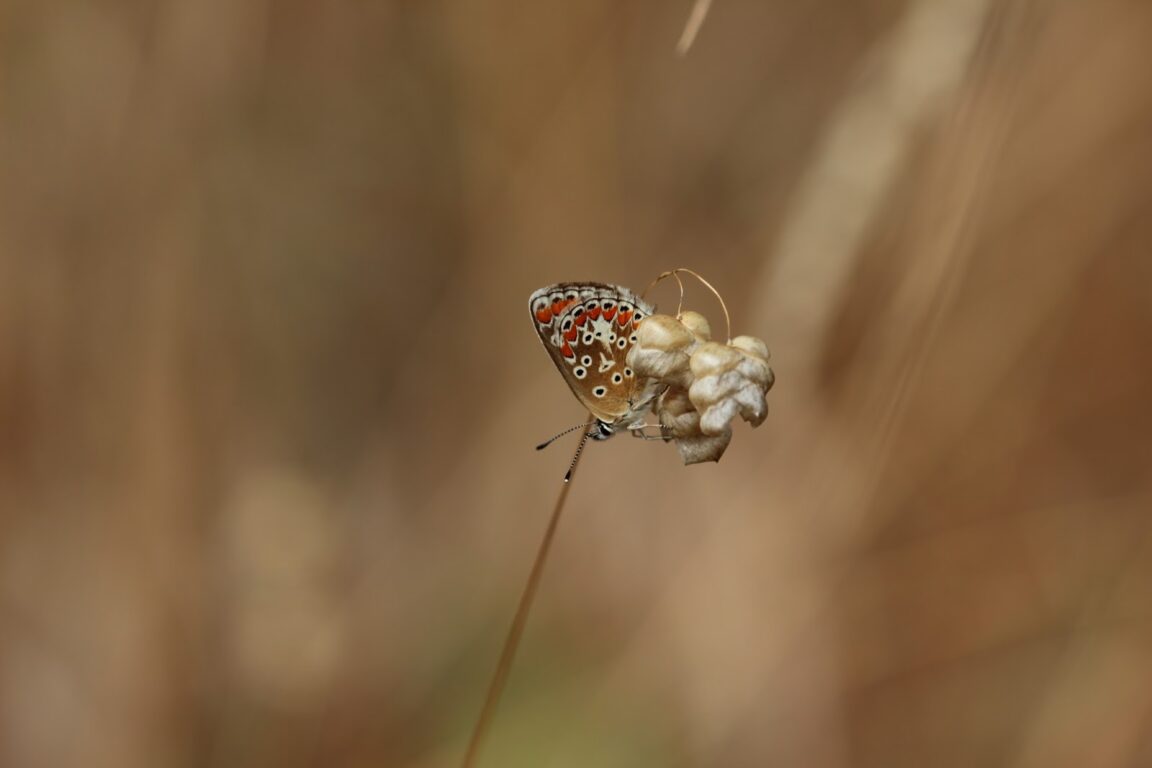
588, 329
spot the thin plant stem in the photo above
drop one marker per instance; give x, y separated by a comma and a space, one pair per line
508, 653
675, 274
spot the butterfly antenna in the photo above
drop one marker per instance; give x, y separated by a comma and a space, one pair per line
554, 438
579, 450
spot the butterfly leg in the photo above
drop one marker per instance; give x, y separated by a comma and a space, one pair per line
640, 432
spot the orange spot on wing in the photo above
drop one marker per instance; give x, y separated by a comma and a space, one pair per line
572, 333
594, 313
608, 313
566, 350
544, 316
624, 318
581, 320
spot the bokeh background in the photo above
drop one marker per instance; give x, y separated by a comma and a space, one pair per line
269, 391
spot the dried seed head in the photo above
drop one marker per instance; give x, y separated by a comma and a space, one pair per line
704, 384
719, 383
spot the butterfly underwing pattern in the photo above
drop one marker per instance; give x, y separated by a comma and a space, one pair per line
587, 329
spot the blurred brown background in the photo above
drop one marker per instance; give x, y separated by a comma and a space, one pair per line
269, 390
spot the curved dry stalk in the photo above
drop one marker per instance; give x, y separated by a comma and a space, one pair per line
508, 652
674, 273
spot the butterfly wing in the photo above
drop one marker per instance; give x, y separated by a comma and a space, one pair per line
587, 329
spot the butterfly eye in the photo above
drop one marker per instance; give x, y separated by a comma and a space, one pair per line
579, 372
586, 360
599, 391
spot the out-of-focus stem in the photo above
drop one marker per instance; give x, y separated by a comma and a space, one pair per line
508, 654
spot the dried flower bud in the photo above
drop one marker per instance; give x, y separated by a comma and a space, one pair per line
682, 421
752, 346
730, 381
754, 366
662, 350
697, 324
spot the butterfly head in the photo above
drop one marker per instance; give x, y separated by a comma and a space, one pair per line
602, 431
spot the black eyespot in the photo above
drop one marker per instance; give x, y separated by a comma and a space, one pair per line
597, 334
617, 378
567, 324
572, 296
608, 304
625, 306
578, 311
622, 343
586, 360
579, 372
593, 304
632, 338
628, 372
587, 338
599, 391
638, 317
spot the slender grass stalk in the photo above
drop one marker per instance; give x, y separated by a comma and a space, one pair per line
508, 653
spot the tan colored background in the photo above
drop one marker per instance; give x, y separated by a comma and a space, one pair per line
269, 391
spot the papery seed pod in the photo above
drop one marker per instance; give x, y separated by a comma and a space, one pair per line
730, 381
664, 332
751, 345
696, 450
697, 324
662, 350
756, 370
677, 414
755, 363
682, 420
721, 398
713, 358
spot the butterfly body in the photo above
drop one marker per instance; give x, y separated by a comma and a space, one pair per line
587, 330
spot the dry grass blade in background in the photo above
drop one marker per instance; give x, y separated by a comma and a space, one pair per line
692, 27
